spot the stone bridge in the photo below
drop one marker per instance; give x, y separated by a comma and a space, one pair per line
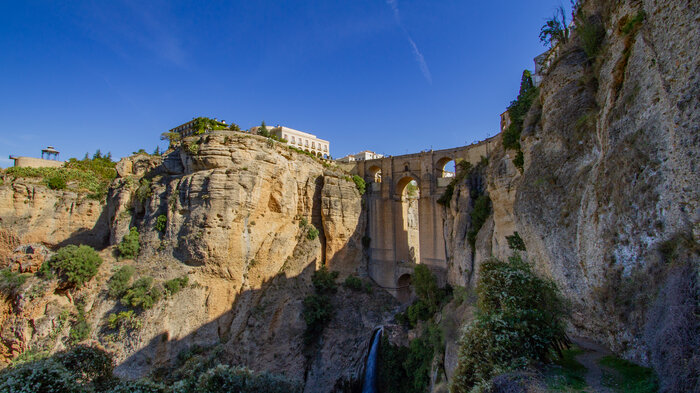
405, 225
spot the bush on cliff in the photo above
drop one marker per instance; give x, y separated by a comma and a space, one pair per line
143, 294
119, 283
129, 246
520, 319
318, 310
74, 265
81, 369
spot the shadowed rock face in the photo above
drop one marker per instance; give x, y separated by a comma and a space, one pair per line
610, 174
238, 209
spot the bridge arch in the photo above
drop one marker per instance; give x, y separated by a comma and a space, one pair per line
404, 290
407, 228
446, 167
375, 174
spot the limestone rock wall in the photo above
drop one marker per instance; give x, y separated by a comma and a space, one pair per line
610, 185
35, 213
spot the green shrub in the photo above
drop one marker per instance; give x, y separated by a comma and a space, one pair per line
89, 366
11, 281
129, 246
303, 222
119, 283
592, 33
142, 386
176, 284
519, 160
407, 369
359, 183
47, 375
144, 191
125, 320
633, 23
628, 377
318, 310
354, 283
56, 182
161, 223
515, 242
479, 214
81, 328
324, 281
240, 379
75, 265
519, 320
92, 176
79, 370
142, 294
312, 234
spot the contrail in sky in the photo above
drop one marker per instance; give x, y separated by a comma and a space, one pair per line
416, 52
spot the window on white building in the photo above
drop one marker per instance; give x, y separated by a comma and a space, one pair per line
313, 145
306, 143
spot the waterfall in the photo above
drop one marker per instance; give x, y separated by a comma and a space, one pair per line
370, 383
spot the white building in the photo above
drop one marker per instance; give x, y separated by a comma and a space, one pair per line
300, 140
361, 156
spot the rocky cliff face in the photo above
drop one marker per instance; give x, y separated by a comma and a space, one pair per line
607, 203
238, 211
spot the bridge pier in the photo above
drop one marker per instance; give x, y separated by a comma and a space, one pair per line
388, 229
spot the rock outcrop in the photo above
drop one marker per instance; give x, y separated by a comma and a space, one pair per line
608, 200
240, 214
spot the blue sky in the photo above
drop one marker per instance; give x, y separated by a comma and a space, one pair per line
395, 77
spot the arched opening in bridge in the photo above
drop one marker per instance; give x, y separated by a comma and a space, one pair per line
375, 174
446, 167
404, 289
408, 226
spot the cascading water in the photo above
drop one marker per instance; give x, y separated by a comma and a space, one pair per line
370, 383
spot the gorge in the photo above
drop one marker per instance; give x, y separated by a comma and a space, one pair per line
600, 194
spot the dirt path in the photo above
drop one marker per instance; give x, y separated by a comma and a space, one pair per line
589, 359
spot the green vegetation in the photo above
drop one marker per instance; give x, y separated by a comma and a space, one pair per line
129, 246
161, 223
263, 131
173, 138
360, 183
81, 328
74, 265
517, 111
119, 283
89, 175
144, 191
555, 30
632, 24
142, 294
430, 297
354, 283
592, 34
176, 284
463, 169
11, 281
56, 182
515, 242
84, 369
124, 321
80, 369
479, 214
567, 374
407, 369
628, 377
240, 379
312, 234
520, 319
318, 309
203, 124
